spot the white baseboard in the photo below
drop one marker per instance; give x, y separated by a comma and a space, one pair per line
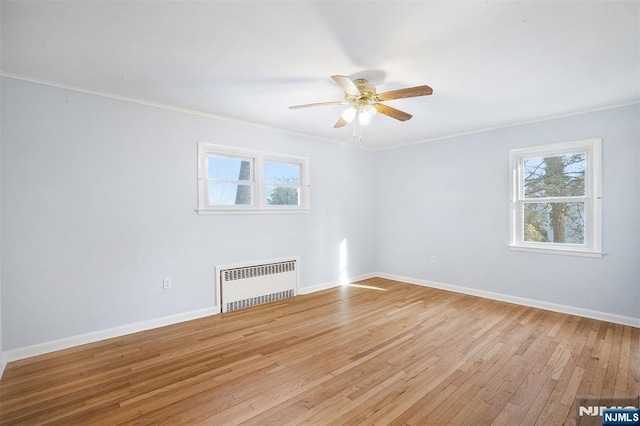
96, 336
564, 309
318, 287
331, 284
3, 364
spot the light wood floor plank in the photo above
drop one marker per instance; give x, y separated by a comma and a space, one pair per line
381, 352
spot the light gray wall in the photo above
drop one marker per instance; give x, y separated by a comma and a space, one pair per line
449, 198
98, 206
98, 197
1, 127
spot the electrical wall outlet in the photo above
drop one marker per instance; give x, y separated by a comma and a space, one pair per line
433, 259
166, 283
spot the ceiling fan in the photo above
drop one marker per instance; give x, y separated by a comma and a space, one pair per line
364, 102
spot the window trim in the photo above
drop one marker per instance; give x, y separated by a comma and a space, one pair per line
592, 198
259, 197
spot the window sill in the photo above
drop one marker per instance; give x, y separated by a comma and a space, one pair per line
564, 252
254, 211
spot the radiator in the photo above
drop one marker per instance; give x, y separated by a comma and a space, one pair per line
247, 285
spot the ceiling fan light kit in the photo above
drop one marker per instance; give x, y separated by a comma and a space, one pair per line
364, 113
364, 102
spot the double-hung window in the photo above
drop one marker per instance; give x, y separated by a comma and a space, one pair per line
232, 180
556, 198
283, 182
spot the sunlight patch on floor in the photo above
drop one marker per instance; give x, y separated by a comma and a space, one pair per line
369, 287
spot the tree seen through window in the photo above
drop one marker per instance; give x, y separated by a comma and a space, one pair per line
548, 178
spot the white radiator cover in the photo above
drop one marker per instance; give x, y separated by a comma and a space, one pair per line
248, 284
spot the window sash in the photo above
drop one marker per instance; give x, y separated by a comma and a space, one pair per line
296, 165
522, 189
585, 233
250, 160
236, 195
281, 205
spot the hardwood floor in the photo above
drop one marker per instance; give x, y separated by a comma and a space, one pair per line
382, 352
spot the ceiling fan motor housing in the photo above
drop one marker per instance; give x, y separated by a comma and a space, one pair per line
367, 92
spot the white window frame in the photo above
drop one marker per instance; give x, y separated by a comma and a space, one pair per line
259, 194
592, 148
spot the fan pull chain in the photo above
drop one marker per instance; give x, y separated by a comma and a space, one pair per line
357, 130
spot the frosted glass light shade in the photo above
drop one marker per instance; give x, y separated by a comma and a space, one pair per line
367, 113
349, 114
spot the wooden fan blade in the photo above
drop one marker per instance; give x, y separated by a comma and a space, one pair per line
349, 86
405, 93
340, 123
392, 112
318, 104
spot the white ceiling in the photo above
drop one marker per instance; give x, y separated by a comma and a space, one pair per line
490, 63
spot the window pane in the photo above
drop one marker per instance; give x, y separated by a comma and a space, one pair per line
228, 168
229, 194
282, 196
554, 223
561, 176
275, 172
